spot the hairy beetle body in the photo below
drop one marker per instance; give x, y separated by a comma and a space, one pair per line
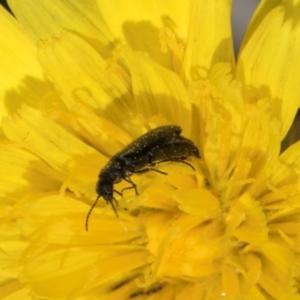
162, 144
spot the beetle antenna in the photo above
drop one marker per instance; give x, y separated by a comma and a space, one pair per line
89, 213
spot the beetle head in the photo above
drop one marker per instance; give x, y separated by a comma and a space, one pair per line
105, 188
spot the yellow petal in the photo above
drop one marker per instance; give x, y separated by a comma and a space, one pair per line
198, 202
283, 187
138, 24
23, 173
230, 281
11, 289
209, 39
60, 273
258, 151
262, 10
20, 72
223, 83
289, 161
250, 221
47, 139
44, 19
182, 244
278, 265
12, 245
103, 134
55, 226
270, 63
79, 72
158, 91
61, 220
253, 265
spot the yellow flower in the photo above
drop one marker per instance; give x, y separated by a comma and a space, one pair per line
82, 79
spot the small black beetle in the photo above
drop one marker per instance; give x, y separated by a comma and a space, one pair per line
158, 145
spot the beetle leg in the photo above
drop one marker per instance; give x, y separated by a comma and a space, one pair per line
181, 160
127, 188
148, 170
133, 185
138, 172
119, 193
185, 162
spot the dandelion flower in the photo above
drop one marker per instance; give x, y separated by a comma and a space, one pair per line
80, 81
